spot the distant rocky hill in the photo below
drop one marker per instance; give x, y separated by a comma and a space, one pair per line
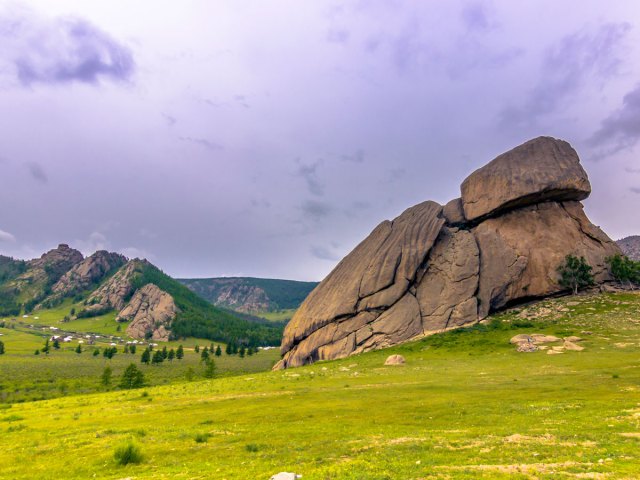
438, 267
251, 295
630, 246
152, 304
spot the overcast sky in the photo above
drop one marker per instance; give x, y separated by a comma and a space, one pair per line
267, 138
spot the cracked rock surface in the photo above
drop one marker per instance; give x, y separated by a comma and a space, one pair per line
150, 312
435, 268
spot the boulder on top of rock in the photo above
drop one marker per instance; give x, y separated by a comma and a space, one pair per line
521, 338
539, 170
394, 360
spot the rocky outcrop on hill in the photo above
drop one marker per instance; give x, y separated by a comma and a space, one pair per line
89, 272
150, 312
435, 268
115, 292
45, 271
630, 247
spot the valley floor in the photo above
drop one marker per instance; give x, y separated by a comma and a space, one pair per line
465, 405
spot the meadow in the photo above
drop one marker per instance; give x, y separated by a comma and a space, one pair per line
465, 405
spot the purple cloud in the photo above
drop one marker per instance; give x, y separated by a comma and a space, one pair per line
62, 50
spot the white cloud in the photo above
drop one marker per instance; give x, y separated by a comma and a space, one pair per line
6, 237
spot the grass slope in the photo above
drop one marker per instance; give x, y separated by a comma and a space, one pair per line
466, 405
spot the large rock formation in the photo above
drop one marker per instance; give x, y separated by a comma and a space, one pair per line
150, 312
115, 292
434, 268
84, 275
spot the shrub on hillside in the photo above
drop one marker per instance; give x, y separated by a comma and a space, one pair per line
127, 453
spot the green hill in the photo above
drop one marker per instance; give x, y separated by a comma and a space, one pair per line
251, 295
465, 405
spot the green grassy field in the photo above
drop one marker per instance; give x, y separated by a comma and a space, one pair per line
278, 315
465, 405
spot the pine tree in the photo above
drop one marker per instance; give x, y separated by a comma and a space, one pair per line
218, 351
146, 356
164, 352
1, 347
126, 348
96, 352
56, 344
251, 350
37, 352
132, 348
210, 368
171, 355
46, 347
157, 357
132, 377
180, 352
204, 356
78, 349
241, 351
234, 348
105, 379
228, 349
197, 348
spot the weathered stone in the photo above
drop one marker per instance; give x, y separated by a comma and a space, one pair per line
373, 278
573, 339
539, 170
394, 360
526, 347
446, 292
542, 338
150, 312
572, 346
521, 338
454, 213
521, 252
113, 294
85, 274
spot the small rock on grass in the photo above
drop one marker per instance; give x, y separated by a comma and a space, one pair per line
572, 346
394, 360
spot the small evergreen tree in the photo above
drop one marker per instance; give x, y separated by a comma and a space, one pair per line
180, 352
218, 351
171, 355
132, 377
234, 348
1, 347
575, 273
241, 351
157, 357
105, 379
46, 347
126, 348
96, 352
56, 344
165, 353
146, 356
197, 348
228, 349
78, 349
72, 312
251, 350
204, 356
210, 368
132, 348
37, 352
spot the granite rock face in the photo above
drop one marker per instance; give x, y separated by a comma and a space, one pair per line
113, 294
434, 268
88, 272
150, 312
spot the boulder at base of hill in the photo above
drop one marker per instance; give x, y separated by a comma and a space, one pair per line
394, 360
